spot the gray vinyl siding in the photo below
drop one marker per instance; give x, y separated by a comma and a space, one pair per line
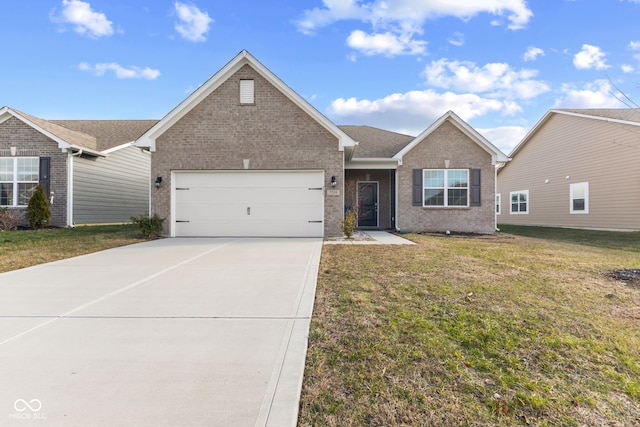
568, 150
111, 189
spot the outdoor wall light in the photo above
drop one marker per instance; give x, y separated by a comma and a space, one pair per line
158, 182
333, 181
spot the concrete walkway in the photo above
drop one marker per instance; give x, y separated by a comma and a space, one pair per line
174, 332
371, 237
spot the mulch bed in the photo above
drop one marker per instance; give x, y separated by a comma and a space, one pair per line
629, 276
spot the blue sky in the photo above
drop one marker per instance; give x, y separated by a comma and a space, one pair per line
394, 64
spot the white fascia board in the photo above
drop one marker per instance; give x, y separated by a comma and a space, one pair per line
6, 113
497, 156
118, 148
372, 163
589, 116
148, 140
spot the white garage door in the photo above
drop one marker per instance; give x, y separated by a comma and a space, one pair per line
249, 203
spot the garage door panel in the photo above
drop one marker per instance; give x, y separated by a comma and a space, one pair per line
249, 204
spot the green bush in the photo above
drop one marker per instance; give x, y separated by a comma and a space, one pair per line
38, 212
349, 223
151, 226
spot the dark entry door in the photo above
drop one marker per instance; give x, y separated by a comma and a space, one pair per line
367, 204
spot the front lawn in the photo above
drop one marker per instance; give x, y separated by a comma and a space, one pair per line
24, 248
475, 331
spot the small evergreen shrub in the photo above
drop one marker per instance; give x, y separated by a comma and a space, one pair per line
151, 226
9, 220
38, 212
349, 223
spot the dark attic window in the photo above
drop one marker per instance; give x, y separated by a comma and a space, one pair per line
247, 92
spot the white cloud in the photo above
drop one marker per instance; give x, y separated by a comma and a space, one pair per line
120, 72
590, 57
457, 39
497, 80
387, 44
194, 24
86, 21
410, 11
395, 22
634, 45
413, 111
597, 94
504, 137
627, 68
532, 53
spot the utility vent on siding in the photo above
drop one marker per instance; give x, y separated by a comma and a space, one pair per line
247, 92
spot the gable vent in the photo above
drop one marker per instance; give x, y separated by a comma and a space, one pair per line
247, 92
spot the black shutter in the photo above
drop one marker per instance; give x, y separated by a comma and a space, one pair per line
45, 166
475, 187
417, 187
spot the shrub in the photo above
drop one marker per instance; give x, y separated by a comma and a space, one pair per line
349, 223
151, 226
38, 212
9, 220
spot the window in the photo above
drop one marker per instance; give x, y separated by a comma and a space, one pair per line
247, 92
519, 202
579, 198
498, 200
446, 187
18, 180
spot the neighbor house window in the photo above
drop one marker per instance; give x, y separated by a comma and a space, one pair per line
519, 202
18, 180
446, 187
579, 198
247, 95
498, 199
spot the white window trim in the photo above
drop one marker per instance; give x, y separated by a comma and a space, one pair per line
446, 189
526, 212
15, 182
498, 204
586, 198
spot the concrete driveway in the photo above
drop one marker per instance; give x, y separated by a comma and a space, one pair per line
174, 332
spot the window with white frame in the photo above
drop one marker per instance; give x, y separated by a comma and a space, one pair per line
498, 200
579, 198
519, 202
446, 187
18, 180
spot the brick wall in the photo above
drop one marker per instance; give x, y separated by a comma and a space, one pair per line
447, 143
274, 134
31, 143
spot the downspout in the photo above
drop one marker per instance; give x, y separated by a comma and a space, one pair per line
495, 192
70, 185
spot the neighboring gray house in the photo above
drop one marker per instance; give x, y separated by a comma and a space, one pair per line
90, 169
245, 155
576, 168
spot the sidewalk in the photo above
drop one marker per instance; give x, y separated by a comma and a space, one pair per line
372, 237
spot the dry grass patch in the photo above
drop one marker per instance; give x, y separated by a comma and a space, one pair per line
497, 331
26, 248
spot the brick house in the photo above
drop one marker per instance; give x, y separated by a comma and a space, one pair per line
89, 169
244, 155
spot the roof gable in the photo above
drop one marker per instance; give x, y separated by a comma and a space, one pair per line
628, 116
497, 156
64, 137
148, 139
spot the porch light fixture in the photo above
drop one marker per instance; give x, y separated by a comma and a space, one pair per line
158, 182
333, 181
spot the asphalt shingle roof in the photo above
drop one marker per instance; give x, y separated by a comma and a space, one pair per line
108, 133
376, 143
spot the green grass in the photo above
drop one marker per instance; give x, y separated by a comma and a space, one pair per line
24, 248
475, 331
603, 239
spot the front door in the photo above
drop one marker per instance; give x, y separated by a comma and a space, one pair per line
367, 204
